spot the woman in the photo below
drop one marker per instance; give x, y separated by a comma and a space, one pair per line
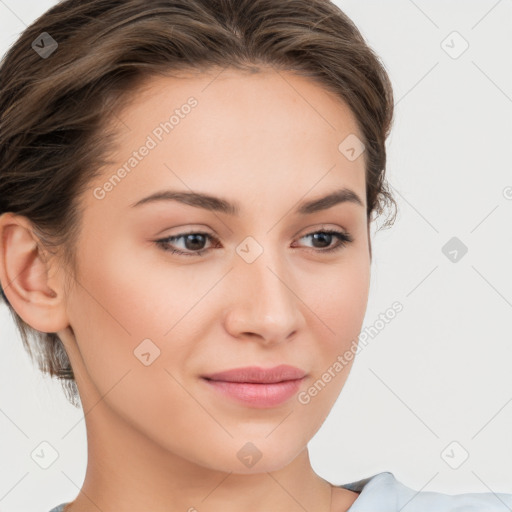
131, 132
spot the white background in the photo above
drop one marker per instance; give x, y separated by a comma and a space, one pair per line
441, 371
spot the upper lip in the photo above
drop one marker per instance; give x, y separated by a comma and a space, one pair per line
257, 374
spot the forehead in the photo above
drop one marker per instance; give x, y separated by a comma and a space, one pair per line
218, 130
241, 100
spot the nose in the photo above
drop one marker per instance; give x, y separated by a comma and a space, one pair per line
264, 305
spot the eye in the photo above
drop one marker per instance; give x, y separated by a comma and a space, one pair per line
194, 242
325, 237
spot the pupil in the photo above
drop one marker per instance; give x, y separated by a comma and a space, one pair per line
197, 241
325, 238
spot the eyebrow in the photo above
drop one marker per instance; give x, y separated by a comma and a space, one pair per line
217, 204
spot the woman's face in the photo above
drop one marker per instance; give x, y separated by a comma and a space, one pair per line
261, 284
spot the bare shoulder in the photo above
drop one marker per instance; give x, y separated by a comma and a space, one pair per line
342, 499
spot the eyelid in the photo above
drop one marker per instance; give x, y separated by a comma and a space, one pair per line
315, 228
343, 237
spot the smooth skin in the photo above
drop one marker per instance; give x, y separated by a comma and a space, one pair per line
159, 438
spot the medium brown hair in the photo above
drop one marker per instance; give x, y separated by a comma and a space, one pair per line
54, 110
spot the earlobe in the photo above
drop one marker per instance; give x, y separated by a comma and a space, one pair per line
24, 274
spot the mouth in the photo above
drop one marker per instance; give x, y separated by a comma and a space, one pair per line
257, 387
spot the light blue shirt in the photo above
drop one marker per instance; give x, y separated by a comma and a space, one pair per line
384, 493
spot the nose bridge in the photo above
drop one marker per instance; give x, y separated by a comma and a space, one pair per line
266, 304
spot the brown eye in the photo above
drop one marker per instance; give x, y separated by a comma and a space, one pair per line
193, 243
322, 240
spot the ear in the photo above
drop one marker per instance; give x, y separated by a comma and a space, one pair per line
24, 274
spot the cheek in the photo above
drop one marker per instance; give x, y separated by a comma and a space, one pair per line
126, 298
131, 296
339, 307
340, 296
110, 315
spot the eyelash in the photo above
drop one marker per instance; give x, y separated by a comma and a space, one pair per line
343, 238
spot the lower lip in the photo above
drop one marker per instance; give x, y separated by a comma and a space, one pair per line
257, 395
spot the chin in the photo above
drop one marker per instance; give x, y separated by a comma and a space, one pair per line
256, 456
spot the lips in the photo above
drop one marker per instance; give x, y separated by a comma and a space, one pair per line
257, 387
256, 374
